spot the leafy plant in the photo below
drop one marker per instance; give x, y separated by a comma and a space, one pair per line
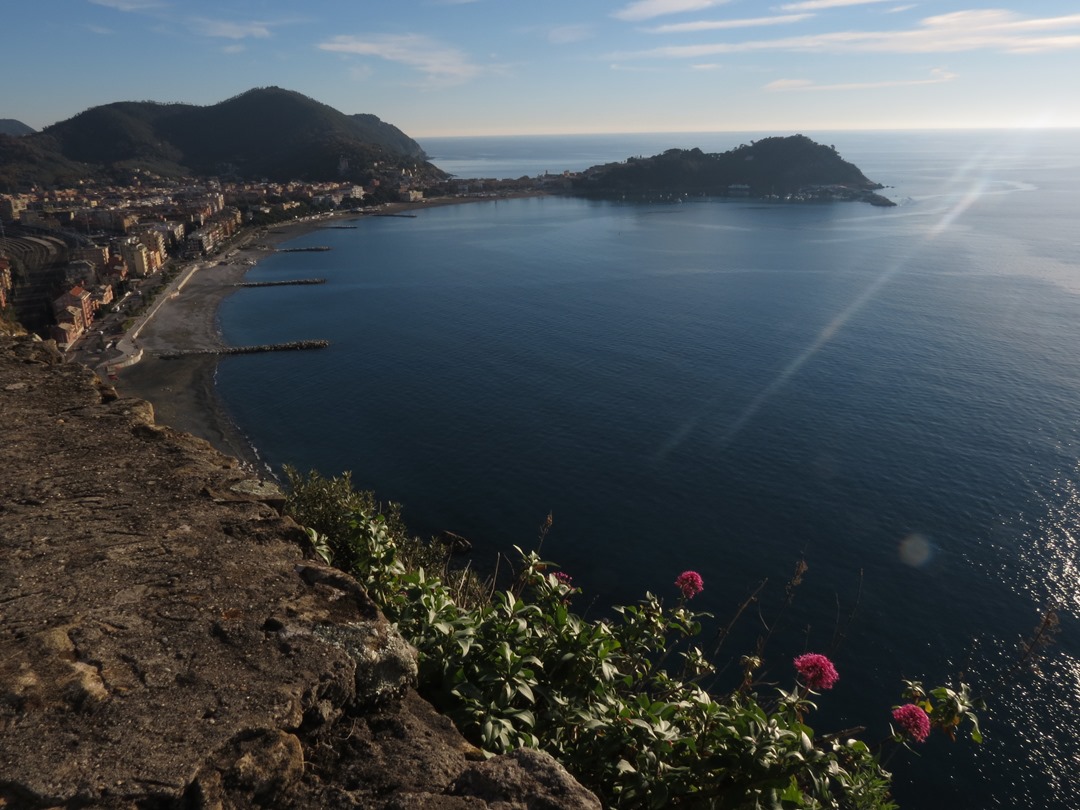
618, 700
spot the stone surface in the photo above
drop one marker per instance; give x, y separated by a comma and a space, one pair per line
526, 779
164, 642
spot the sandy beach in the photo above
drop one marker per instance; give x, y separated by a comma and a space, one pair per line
182, 390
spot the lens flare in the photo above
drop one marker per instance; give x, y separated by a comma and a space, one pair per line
915, 550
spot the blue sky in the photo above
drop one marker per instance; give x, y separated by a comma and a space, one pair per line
463, 67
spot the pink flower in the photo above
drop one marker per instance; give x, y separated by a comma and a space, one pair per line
817, 671
913, 720
690, 583
564, 578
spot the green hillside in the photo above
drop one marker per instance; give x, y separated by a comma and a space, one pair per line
266, 133
9, 126
771, 166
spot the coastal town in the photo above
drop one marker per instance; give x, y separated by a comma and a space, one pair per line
79, 265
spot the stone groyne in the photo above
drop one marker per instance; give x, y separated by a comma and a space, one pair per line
293, 346
291, 283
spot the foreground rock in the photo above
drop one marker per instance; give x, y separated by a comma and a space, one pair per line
165, 644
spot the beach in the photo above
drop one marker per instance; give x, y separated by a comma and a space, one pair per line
182, 389
184, 318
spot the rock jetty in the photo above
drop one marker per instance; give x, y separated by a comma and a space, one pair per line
293, 346
289, 283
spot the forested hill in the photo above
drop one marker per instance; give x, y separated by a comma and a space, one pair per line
9, 126
783, 167
376, 131
264, 133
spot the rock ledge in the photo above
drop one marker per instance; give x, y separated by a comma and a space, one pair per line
164, 643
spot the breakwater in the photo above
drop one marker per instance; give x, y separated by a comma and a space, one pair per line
312, 249
288, 283
293, 346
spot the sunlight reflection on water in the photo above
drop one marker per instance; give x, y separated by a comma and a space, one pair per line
903, 384
1050, 576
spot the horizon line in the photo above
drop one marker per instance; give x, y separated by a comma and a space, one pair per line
560, 134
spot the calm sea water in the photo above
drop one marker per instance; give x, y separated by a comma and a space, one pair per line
728, 386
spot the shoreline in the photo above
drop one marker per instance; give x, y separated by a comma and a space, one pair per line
183, 390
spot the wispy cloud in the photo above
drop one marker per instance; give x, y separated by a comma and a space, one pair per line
130, 5
565, 34
992, 30
235, 48
99, 29
937, 76
718, 25
648, 9
231, 30
620, 68
441, 64
817, 5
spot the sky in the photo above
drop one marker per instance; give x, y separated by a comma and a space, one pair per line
504, 67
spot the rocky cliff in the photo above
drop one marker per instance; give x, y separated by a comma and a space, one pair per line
166, 643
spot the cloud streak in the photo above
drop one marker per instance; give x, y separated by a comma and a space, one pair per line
231, 30
130, 5
817, 5
566, 34
937, 76
648, 9
992, 30
441, 64
720, 25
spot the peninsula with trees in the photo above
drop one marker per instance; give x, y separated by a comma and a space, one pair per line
793, 168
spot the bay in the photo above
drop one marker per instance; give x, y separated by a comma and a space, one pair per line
730, 386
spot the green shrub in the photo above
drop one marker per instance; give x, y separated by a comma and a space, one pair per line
618, 701
330, 506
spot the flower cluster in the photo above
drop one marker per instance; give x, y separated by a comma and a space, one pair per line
690, 584
913, 720
564, 578
817, 671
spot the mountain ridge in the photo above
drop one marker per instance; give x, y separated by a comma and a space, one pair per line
10, 126
266, 132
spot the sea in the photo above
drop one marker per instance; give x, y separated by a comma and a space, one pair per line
730, 386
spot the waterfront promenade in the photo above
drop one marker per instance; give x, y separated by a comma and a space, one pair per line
182, 323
